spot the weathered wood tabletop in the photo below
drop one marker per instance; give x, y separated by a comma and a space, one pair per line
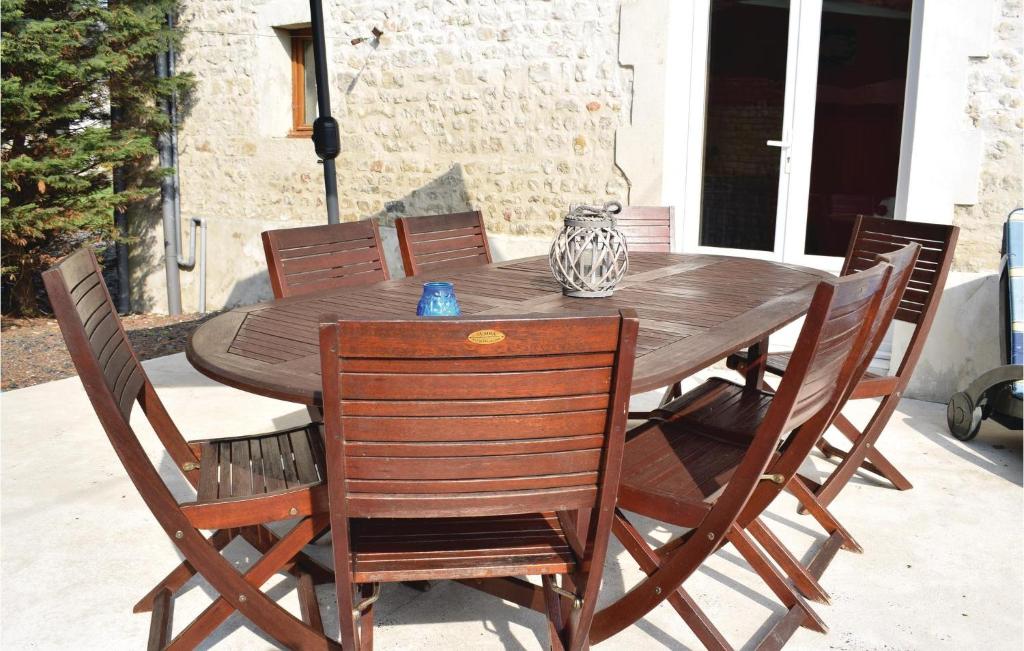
694, 310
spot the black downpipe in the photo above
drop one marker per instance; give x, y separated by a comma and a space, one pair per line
168, 192
326, 140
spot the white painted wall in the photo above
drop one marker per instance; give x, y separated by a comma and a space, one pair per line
964, 339
940, 155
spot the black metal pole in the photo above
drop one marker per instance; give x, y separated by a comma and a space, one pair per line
326, 140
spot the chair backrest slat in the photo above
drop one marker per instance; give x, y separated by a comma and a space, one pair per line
903, 261
81, 282
106, 363
312, 259
828, 353
442, 242
874, 236
472, 417
646, 228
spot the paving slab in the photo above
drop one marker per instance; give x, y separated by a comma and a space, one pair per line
941, 568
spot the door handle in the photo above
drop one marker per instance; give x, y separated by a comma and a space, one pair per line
784, 146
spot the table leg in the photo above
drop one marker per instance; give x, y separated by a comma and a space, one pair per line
757, 359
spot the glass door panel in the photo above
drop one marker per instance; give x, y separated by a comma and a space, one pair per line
858, 119
745, 107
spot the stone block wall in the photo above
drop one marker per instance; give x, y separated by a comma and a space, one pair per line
996, 107
510, 108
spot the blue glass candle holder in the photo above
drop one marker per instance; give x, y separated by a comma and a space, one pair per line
438, 300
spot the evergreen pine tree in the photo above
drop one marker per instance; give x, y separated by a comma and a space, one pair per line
64, 62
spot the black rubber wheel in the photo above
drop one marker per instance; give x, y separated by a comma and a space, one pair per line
962, 417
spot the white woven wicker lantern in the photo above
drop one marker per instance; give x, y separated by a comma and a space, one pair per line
588, 256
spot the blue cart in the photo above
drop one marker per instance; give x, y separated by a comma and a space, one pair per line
997, 394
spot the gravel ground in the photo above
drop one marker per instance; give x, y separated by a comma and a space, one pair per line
33, 350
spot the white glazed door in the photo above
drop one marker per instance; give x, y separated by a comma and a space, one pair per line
766, 73
754, 61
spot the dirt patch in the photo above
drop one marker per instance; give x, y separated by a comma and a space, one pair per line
33, 350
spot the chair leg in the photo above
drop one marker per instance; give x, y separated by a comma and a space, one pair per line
672, 392
827, 449
806, 584
263, 612
180, 575
346, 614
798, 487
262, 539
309, 606
366, 619
161, 624
675, 390
553, 610
876, 461
757, 360
843, 472
649, 562
838, 538
774, 580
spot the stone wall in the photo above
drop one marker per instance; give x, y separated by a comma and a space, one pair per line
996, 107
511, 108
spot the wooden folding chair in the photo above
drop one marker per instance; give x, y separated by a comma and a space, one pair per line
714, 463
442, 242
312, 259
649, 229
805, 576
241, 483
646, 228
476, 449
918, 307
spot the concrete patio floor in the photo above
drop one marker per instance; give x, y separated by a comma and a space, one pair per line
941, 567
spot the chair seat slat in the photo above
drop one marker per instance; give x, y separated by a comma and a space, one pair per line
209, 469
241, 470
273, 465
291, 476
305, 465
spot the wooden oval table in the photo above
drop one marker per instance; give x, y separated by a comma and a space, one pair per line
694, 311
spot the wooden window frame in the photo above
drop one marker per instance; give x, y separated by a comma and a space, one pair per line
299, 38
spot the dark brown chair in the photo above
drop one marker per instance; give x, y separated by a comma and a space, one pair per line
313, 259
805, 575
241, 483
441, 243
714, 463
918, 306
647, 228
476, 449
